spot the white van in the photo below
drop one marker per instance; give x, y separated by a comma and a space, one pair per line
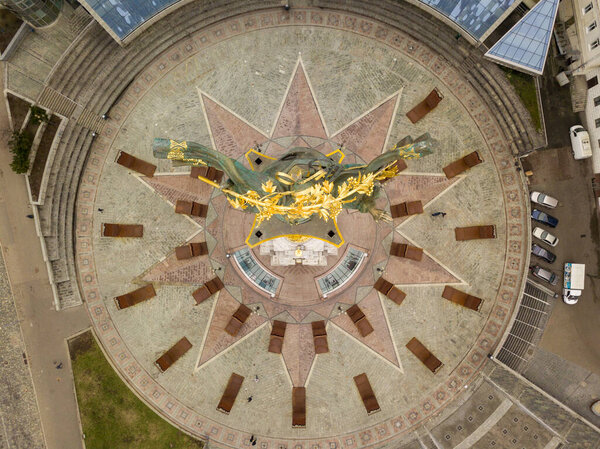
580, 142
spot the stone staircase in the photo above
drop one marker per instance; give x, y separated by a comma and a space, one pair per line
578, 89
94, 70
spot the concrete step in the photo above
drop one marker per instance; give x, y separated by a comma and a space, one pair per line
579, 90
60, 272
56, 102
79, 20
69, 296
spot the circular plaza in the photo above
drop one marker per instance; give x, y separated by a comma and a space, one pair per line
341, 84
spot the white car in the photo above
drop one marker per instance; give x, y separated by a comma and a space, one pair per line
545, 236
580, 142
544, 200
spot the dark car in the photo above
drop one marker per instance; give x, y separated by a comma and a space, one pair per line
545, 275
543, 253
544, 218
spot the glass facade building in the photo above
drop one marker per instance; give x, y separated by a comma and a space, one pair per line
525, 46
474, 16
38, 13
124, 16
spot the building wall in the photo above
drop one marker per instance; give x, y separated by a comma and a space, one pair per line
584, 37
38, 13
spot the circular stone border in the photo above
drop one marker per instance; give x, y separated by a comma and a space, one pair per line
513, 186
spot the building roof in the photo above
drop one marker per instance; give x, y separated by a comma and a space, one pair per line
124, 16
474, 16
525, 46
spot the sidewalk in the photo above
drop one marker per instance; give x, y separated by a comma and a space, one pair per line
44, 330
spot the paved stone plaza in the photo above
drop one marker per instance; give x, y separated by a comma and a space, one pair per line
324, 80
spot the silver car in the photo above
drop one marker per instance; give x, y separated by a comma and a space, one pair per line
545, 275
544, 200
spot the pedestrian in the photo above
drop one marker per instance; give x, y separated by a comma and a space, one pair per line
59, 366
100, 210
249, 398
435, 214
29, 215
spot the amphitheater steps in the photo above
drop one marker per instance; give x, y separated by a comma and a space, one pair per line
95, 71
79, 20
56, 102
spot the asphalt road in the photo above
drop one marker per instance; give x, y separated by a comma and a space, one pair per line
572, 332
44, 330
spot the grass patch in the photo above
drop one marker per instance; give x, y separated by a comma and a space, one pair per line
111, 415
525, 87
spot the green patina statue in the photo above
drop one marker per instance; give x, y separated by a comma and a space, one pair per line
300, 183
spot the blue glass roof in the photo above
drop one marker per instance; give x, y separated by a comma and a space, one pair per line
475, 16
124, 16
525, 46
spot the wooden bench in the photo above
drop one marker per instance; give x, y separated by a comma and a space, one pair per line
423, 354
135, 164
360, 320
298, 407
475, 232
191, 250
390, 290
210, 173
208, 289
461, 298
135, 297
406, 208
320, 337
366, 393
239, 317
463, 164
231, 391
172, 355
277, 334
122, 230
406, 251
191, 208
426, 106
400, 165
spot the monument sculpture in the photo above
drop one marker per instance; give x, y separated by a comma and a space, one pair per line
302, 189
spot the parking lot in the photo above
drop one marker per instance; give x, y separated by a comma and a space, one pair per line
573, 331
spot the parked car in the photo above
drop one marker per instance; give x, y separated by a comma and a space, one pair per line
542, 253
545, 275
545, 236
580, 142
544, 200
544, 218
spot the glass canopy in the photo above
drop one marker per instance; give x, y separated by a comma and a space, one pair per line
124, 16
475, 16
525, 46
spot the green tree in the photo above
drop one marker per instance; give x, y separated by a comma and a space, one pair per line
38, 115
20, 146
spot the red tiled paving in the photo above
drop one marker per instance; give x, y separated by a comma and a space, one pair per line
196, 270
274, 150
299, 115
180, 187
366, 136
380, 340
300, 142
217, 340
400, 270
298, 352
416, 187
232, 136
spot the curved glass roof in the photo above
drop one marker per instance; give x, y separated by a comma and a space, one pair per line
475, 16
124, 16
525, 46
